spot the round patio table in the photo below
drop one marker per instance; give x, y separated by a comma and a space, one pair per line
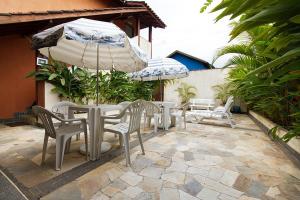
166, 107
96, 144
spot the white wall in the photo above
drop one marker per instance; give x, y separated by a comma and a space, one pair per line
203, 80
145, 45
51, 98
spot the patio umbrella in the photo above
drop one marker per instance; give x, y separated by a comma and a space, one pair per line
91, 44
161, 69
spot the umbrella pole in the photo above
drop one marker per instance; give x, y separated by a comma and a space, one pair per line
97, 89
160, 89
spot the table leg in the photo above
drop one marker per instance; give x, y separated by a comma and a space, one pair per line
100, 132
92, 133
173, 121
166, 117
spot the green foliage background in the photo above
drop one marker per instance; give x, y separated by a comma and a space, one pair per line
186, 92
266, 68
79, 84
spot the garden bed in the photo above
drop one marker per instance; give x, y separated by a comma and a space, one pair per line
292, 147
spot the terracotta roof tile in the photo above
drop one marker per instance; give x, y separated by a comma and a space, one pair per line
128, 7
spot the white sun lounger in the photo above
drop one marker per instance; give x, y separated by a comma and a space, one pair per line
218, 113
198, 104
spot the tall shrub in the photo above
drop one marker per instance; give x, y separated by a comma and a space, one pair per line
79, 84
266, 70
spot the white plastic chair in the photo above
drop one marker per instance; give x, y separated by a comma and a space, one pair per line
62, 134
151, 111
124, 129
220, 114
123, 119
61, 109
180, 114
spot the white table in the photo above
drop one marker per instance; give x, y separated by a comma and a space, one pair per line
96, 134
166, 107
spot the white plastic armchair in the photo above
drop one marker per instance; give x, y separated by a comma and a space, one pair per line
180, 114
124, 129
62, 134
123, 119
151, 111
61, 109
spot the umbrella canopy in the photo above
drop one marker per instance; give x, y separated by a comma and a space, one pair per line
161, 69
92, 44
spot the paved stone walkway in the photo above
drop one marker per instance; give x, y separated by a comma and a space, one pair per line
203, 162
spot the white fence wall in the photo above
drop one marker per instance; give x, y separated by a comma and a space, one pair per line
51, 98
145, 45
203, 80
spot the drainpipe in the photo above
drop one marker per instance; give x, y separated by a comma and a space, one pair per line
150, 38
138, 27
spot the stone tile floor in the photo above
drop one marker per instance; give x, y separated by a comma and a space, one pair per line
21, 152
202, 162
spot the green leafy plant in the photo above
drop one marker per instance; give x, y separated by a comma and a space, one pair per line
80, 85
70, 82
116, 87
186, 92
223, 91
266, 73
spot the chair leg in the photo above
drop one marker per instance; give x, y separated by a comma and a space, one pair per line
86, 146
46, 137
141, 141
230, 121
64, 142
127, 148
149, 122
68, 145
173, 121
179, 122
156, 121
78, 136
59, 149
121, 141
144, 124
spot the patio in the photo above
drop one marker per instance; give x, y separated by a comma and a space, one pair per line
201, 162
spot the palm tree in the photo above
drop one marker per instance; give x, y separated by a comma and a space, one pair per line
186, 92
266, 68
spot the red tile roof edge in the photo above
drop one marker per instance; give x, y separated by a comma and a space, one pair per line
143, 3
127, 5
64, 11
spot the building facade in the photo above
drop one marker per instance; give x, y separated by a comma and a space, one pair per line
19, 20
191, 62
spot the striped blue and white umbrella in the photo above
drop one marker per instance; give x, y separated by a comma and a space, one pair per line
161, 69
91, 44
